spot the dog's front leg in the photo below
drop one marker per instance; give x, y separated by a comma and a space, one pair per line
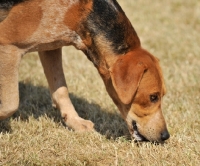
52, 64
10, 57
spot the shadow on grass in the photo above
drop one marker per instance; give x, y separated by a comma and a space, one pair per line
35, 101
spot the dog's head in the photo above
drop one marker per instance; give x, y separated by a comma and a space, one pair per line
137, 90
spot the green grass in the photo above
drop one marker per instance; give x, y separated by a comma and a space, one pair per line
34, 135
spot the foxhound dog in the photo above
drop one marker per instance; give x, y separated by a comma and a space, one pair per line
100, 28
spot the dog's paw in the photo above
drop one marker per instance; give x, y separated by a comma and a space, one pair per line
79, 124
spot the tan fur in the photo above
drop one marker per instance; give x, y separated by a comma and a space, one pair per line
47, 25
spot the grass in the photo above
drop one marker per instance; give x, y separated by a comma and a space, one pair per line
34, 135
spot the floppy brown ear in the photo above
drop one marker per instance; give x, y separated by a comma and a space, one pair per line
126, 75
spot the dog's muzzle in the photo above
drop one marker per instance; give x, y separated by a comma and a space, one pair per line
139, 137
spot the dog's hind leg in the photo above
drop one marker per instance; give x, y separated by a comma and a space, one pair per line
10, 57
52, 64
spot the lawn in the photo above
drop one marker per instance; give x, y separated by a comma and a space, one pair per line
35, 135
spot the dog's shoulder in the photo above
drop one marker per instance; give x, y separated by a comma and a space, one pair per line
6, 5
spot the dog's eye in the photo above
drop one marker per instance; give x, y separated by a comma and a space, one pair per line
154, 98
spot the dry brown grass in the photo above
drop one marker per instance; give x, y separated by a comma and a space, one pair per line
35, 136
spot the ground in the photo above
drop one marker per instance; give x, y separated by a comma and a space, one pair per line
34, 135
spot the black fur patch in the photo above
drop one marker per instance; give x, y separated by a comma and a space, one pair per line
104, 20
7, 4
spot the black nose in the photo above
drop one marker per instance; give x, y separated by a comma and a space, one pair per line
165, 135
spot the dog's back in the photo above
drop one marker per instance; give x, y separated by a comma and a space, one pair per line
5, 6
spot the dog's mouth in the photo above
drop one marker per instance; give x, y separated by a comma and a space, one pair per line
136, 133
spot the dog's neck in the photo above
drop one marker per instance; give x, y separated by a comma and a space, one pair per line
107, 34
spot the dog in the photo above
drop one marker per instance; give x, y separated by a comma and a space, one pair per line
100, 28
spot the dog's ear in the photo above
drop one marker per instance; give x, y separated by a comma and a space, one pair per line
126, 75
